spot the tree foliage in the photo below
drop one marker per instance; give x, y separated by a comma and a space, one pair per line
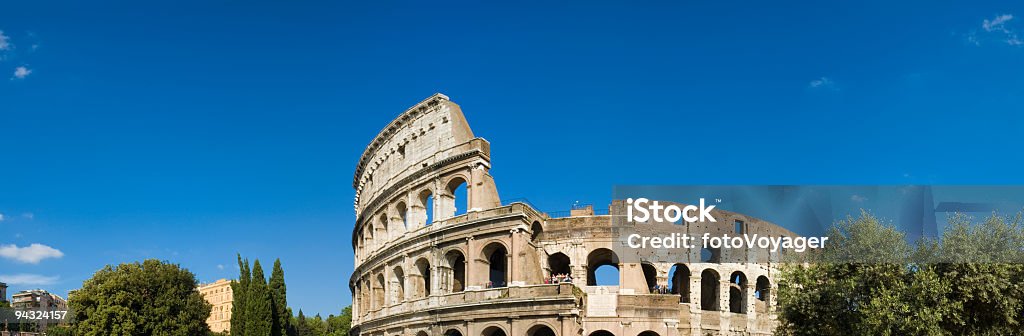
239, 289
148, 298
258, 304
279, 308
870, 280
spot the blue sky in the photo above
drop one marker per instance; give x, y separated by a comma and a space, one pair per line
189, 131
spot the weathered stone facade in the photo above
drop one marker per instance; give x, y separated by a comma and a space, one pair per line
422, 267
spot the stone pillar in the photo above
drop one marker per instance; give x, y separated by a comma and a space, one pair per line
723, 294
695, 292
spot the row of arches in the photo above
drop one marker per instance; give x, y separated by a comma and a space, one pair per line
382, 290
417, 210
603, 269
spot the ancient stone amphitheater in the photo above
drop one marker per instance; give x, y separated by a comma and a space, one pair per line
429, 263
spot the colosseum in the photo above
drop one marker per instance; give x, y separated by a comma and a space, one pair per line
430, 263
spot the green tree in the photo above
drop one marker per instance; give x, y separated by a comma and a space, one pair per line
148, 298
302, 325
258, 304
278, 290
341, 324
239, 291
869, 280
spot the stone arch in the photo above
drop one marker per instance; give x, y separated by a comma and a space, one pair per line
541, 329
369, 237
453, 332
424, 207
422, 333
763, 292
559, 263
496, 256
398, 284
650, 277
493, 331
709, 288
596, 259
378, 292
421, 284
455, 188
457, 266
602, 333
648, 333
681, 282
403, 214
738, 293
536, 231
367, 304
384, 226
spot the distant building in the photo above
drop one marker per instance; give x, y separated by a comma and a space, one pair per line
219, 295
38, 299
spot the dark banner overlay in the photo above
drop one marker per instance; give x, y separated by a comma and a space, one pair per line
775, 224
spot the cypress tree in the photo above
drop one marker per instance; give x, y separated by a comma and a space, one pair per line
278, 291
239, 291
258, 315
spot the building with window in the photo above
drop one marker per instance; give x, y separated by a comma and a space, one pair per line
218, 294
438, 253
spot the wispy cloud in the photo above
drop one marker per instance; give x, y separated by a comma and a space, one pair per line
28, 279
29, 215
996, 29
858, 198
220, 267
22, 72
31, 254
823, 83
1, 217
5, 41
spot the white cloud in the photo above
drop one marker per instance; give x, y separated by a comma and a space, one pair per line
858, 198
22, 72
822, 83
28, 279
29, 215
220, 267
31, 254
1, 217
996, 29
998, 23
5, 43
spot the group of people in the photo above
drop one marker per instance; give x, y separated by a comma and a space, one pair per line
660, 289
558, 278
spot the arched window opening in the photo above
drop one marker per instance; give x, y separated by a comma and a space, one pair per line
602, 268
762, 291
493, 331
680, 283
452, 332
398, 282
738, 293
648, 333
540, 330
457, 200
422, 285
709, 290
385, 227
403, 214
378, 292
710, 255
497, 265
559, 265
602, 333
651, 277
457, 263
536, 232
369, 238
426, 199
